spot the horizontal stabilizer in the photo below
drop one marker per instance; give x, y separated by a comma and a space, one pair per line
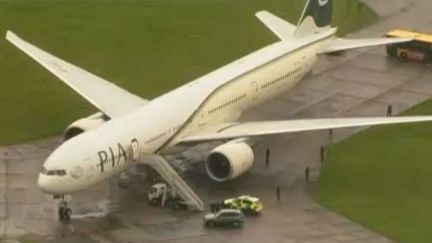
278, 26
340, 44
250, 129
110, 99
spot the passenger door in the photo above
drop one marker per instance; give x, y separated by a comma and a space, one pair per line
135, 149
221, 218
254, 90
201, 119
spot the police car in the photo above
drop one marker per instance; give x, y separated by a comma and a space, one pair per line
247, 204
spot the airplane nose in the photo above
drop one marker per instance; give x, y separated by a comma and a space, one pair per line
44, 183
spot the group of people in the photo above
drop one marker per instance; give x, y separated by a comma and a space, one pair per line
307, 169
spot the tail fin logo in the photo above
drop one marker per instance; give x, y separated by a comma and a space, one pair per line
323, 2
320, 11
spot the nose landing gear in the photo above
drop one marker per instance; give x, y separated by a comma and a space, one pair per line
64, 211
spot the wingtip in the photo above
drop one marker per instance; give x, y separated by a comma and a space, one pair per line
9, 34
261, 12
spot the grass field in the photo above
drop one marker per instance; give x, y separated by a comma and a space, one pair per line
381, 178
147, 47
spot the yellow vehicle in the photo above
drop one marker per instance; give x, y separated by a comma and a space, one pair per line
420, 49
246, 204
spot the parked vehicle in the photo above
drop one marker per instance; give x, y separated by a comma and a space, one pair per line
247, 204
161, 194
420, 49
225, 217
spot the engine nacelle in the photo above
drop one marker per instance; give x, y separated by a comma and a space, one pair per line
229, 161
84, 125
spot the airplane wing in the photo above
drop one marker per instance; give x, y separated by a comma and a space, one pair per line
110, 99
278, 26
340, 44
252, 129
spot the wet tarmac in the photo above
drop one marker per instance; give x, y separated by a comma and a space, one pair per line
358, 83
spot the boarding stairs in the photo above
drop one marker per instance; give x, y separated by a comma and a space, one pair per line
174, 180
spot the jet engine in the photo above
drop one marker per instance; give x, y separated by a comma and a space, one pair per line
84, 125
229, 161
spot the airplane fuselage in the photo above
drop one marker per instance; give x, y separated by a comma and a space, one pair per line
220, 96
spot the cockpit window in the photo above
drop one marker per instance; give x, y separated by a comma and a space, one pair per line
61, 172
53, 172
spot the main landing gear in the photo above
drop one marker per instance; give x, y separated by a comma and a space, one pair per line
64, 211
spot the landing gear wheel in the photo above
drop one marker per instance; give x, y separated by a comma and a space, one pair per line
64, 212
123, 185
403, 56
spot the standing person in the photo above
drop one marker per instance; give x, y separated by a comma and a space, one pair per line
331, 136
389, 110
278, 193
307, 171
322, 154
267, 162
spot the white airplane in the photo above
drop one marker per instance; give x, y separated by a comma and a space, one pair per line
129, 128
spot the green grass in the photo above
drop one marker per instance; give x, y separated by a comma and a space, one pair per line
382, 179
147, 47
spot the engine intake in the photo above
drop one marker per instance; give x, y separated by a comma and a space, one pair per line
84, 125
229, 161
